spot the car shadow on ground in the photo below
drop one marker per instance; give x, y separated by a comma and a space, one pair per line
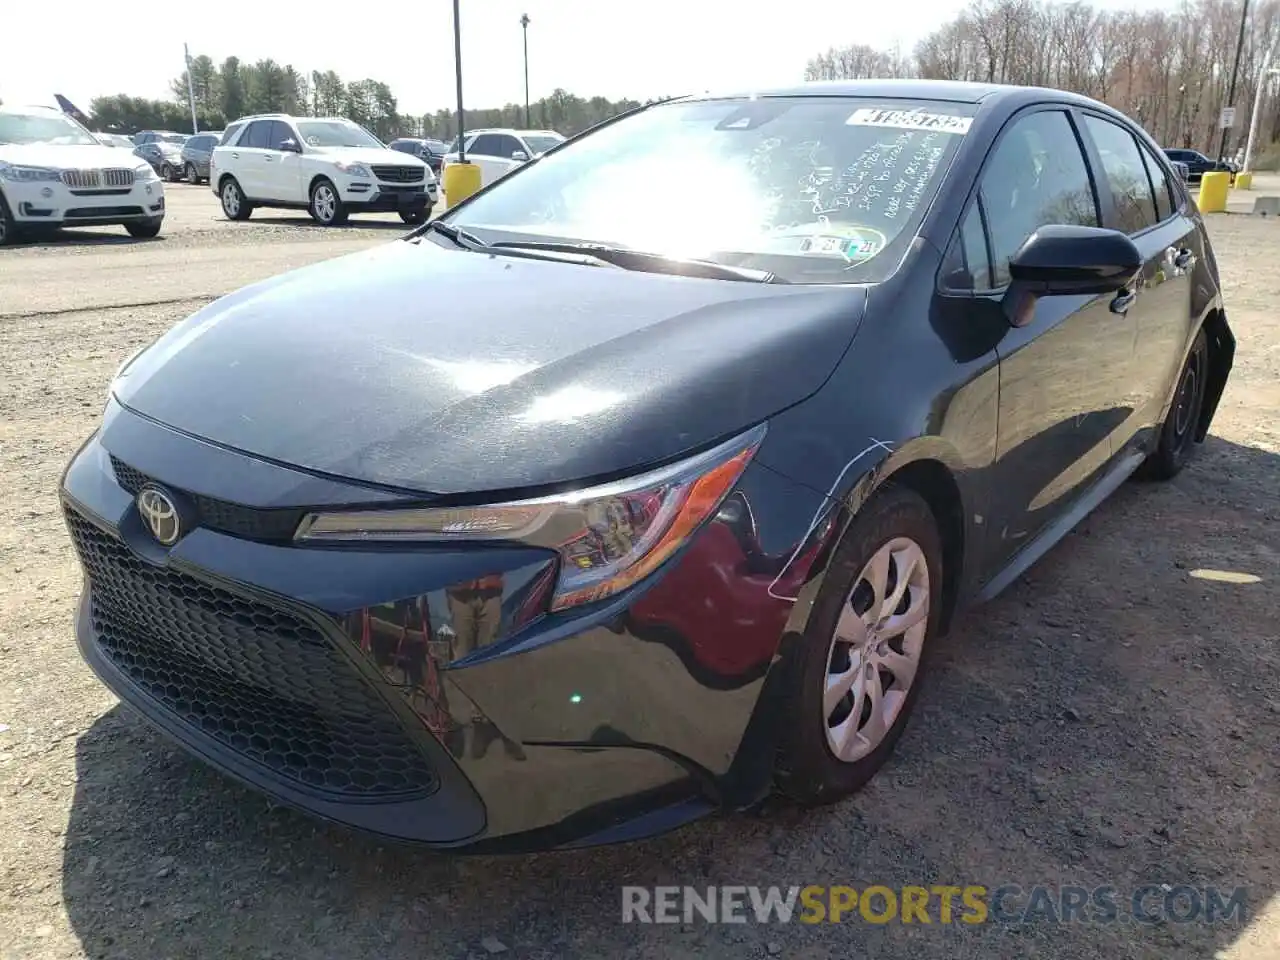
81, 238
1110, 720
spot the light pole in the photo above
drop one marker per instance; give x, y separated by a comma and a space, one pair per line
524, 24
1264, 80
457, 70
1235, 70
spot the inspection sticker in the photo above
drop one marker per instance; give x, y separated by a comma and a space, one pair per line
910, 120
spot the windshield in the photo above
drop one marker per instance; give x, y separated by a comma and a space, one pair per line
336, 133
812, 189
43, 128
541, 143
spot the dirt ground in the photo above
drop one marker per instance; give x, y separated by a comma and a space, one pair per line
1111, 719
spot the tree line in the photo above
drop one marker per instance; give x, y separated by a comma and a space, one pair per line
223, 92
1170, 70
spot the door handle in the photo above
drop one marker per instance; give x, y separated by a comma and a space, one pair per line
1123, 301
1184, 259
235, 156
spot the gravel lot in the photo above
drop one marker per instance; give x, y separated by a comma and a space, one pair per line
1110, 720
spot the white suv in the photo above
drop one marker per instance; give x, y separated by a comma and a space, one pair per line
328, 166
498, 152
54, 173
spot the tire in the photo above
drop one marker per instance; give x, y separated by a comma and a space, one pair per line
8, 228
193, 175
234, 204
1177, 434
166, 173
415, 217
895, 525
326, 207
145, 229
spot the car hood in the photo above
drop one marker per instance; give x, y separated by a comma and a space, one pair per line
65, 156
444, 371
369, 155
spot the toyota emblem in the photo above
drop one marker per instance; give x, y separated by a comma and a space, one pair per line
160, 514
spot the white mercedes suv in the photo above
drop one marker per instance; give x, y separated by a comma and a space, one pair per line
54, 173
328, 166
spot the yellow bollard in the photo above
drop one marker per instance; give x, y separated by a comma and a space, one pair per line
1213, 191
1244, 181
461, 180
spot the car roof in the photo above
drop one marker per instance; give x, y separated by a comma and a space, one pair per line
956, 91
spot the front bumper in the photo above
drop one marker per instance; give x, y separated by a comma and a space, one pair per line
377, 197
340, 680
54, 204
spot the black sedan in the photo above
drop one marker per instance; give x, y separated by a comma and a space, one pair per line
1198, 164
572, 515
165, 158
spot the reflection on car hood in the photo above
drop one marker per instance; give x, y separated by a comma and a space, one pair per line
444, 371
65, 157
369, 155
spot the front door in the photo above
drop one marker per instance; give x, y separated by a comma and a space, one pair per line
1062, 372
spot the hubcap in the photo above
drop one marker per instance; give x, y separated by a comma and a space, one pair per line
231, 199
875, 652
325, 203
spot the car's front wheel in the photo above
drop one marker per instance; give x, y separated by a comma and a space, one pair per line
193, 175
145, 229
857, 672
234, 204
326, 208
1177, 438
8, 229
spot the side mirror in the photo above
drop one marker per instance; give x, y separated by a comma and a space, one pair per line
1064, 260
290, 145
519, 155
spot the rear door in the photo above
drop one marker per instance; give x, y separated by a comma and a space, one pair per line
1061, 372
1148, 206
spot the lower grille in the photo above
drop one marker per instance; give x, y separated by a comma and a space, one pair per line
256, 678
399, 174
89, 213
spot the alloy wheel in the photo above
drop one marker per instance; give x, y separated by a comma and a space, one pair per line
230, 199
875, 651
324, 203
1185, 404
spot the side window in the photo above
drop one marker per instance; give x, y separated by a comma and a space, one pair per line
1126, 174
229, 135
257, 135
1037, 176
507, 145
486, 145
967, 266
279, 133
1159, 184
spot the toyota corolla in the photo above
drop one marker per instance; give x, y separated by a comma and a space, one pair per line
576, 514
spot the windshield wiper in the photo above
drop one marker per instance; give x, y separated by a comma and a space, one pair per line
630, 259
469, 241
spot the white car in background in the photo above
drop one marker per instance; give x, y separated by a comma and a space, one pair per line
54, 173
498, 152
328, 166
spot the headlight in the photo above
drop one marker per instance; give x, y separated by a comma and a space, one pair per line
608, 537
143, 171
353, 169
15, 173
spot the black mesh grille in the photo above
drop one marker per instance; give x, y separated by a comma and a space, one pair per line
399, 174
258, 679
249, 523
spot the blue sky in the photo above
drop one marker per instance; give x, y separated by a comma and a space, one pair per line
589, 47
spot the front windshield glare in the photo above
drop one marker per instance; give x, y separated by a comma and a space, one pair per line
335, 133
42, 128
813, 189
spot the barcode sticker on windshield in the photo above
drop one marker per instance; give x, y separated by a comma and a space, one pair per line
910, 120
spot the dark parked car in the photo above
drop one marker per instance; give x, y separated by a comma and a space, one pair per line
165, 158
430, 151
1198, 164
676, 510
195, 156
